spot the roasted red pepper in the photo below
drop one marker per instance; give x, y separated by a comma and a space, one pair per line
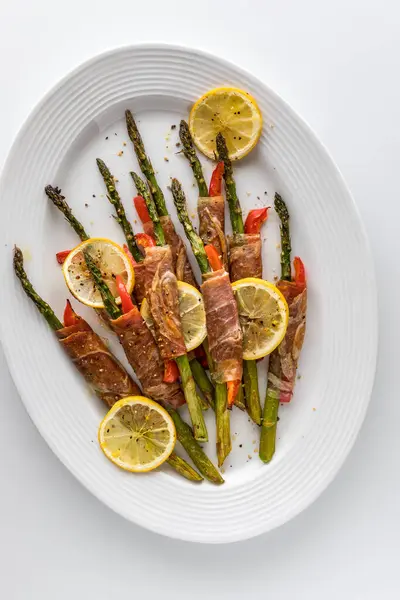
61, 256
213, 257
129, 255
171, 371
255, 219
70, 316
126, 300
299, 272
233, 389
216, 180
141, 209
144, 240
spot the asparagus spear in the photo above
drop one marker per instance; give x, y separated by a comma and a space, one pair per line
115, 200
190, 152
230, 186
224, 445
143, 191
192, 399
177, 463
145, 164
41, 305
110, 305
250, 375
205, 466
54, 193
183, 468
271, 406
202, 382
283, 214
191, 234
198, 372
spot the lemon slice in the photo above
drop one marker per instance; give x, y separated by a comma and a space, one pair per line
137, 434
263, 315
110, 259
193, 315
231, 111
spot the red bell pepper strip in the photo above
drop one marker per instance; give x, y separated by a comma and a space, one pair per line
61, 256
233, 389
141, 209
213, 257
129, 255
126, 300
255, 219
144, 240
299, 272
70, 316
171, 371
216, 180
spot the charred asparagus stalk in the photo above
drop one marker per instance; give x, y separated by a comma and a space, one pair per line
183, 468
198, 372
224, 444
42, 306
191, 234
177, 463
54, 193
235, 210
286, 246
271, 406
121, 217
205, 467
250, 375
189, 151
145, 165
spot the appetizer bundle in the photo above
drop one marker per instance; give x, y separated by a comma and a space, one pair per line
172, 333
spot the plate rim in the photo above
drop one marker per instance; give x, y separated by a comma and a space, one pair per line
310, 498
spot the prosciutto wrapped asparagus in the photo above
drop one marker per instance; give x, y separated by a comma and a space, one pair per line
94, 361
221, 313
181, 262
283, 361
244, 261
143, 355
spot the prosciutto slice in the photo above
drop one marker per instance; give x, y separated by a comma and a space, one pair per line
223, 328
144, 357
211, 212
101, 370
162, 294
283, 361
180, 261
245, 256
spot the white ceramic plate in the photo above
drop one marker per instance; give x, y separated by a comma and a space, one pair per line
82, 118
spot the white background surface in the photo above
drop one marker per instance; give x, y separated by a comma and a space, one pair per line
338, 64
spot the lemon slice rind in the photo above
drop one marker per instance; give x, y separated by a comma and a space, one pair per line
137, 434
231, 111
112, 261
263, 315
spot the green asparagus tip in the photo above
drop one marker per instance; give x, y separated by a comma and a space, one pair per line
54, 193
281, 208
18, 262
102, 167
223, 154
41, 305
